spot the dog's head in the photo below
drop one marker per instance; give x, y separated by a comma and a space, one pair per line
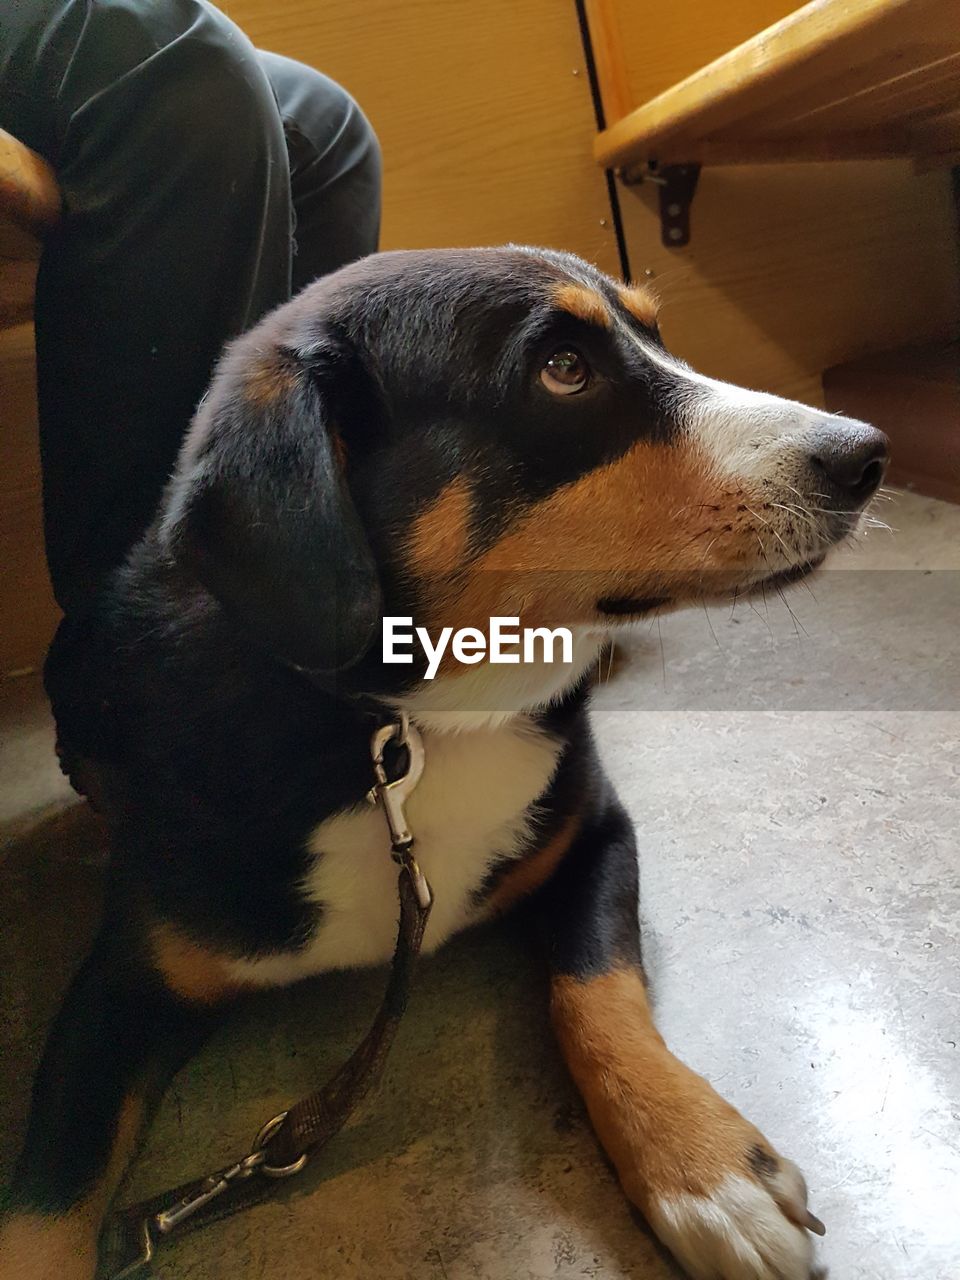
459, 434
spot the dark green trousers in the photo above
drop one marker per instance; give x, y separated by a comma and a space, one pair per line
203, 182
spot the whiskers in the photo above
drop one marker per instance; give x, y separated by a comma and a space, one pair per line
605, 656
858, 523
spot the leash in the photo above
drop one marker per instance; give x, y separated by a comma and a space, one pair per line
284, 1144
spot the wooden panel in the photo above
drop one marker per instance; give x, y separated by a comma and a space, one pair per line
27, 610
483, 112
755, 90
943, 133
29, 202
609, 58
794, 268
667, 41
878, 144
914, 395
17, 285
864, 95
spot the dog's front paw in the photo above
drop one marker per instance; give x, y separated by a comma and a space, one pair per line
722, 1200
751, 1224
716, 1193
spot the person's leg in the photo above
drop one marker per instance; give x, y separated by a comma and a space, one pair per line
334, 169
169, 148
170, 154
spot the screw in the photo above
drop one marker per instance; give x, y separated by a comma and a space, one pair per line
675, 233
673, 210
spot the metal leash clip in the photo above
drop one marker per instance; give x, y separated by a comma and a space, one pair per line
166, 1221
169, 1219
393, 793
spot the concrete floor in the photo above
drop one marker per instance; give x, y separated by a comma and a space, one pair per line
797, 793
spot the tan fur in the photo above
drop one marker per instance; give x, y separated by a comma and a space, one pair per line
663, 1126
648, 524
642, 304
191, 971
585, 304
43, 1247
269, 381
438, 542
534, 870
39, 1246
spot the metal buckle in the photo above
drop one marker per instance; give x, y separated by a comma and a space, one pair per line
261, 1140
392, 794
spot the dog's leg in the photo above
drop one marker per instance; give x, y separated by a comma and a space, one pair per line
124, 1029
714, 1190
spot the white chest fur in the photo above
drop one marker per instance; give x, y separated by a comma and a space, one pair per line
470, 810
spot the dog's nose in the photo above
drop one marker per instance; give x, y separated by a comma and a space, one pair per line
851, 456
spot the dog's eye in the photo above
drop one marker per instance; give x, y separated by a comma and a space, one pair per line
565, 373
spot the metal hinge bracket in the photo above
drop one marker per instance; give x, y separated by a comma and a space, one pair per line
676, 184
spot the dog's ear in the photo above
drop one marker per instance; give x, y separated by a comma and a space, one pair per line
260, 512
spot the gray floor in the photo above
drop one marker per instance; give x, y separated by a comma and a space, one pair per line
796, 787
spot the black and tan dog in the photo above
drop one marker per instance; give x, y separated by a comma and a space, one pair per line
449, 436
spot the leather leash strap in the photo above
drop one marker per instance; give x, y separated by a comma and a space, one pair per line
284, 1144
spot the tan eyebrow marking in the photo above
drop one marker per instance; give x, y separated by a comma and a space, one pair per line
641, 302
584, 303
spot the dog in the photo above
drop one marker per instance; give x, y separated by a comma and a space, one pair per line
445, 436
